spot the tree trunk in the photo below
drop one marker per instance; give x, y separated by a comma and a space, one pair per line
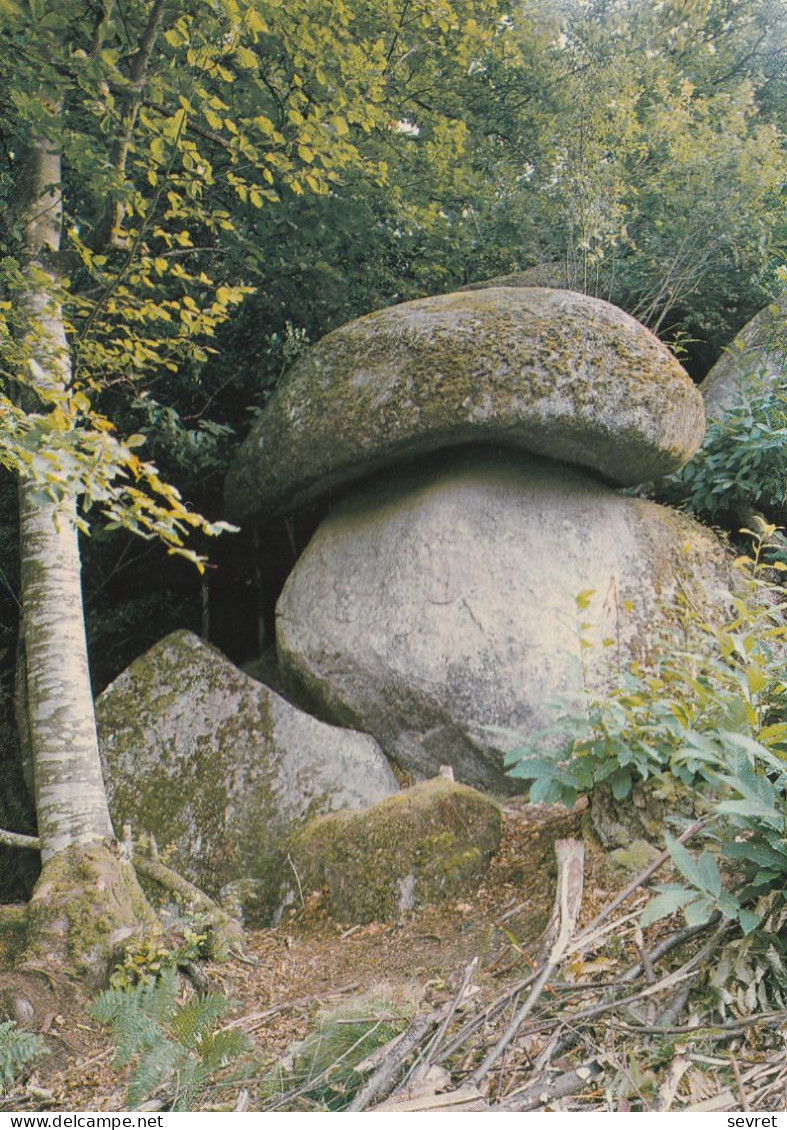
71, 803
87, 899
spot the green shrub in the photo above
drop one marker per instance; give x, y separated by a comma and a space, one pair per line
706, 722
174, 1047
742, 464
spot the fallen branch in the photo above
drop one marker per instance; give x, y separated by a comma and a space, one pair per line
545, 1091
568, 900
380, 1084
685, 934
431, 1052
636, 882
465, 1099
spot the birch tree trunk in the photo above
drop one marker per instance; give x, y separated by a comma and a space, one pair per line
71, 804
87, 899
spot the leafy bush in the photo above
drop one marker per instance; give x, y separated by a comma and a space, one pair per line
146, 960
742, 463
171, 1045
707, 721
18, 1049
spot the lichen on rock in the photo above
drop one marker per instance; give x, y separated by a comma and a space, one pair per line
440, 601
221, 769
756, 358
428, 843
552, 372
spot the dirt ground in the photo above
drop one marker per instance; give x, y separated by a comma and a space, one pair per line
309, 961
290, 974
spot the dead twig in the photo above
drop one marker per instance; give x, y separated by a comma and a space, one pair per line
568, 900
383, 1079
636, 882
467, 976
545, 1091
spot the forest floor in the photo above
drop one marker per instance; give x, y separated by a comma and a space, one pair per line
466, 965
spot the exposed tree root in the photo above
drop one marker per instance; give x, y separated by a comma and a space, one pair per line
86, 907
18, 840
227, 931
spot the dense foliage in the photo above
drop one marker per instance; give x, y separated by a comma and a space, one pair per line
702, 729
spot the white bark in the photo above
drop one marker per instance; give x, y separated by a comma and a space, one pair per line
70, 797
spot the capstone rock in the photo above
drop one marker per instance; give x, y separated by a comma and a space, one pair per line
551, 372
222, 770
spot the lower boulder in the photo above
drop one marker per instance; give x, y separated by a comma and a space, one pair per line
222, 770
428, 843
479, 590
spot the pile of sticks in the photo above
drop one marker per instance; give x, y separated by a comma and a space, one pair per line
511, 1055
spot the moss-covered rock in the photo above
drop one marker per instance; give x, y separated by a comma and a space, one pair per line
549, 371
442, 600
756, 358
221, 769
431, 842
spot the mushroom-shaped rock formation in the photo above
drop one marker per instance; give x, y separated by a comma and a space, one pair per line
551, 372
757, 357
224, 770
441, 600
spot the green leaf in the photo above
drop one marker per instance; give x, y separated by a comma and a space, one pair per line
683, 860
749, 920
697, 913
710, 876
662, 905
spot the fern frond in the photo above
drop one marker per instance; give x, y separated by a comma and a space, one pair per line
18, 1049
195, 1018
217, 1049
159, 998
152, 1069
192, 1080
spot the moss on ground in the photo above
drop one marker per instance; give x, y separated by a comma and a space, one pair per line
425, 844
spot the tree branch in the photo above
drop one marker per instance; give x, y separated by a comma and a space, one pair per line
108, 232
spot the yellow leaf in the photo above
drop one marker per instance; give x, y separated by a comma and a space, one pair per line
265, 125
246, 58
256, 22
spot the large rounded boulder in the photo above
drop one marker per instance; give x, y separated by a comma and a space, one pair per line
478, 590
222, 770
551, 372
